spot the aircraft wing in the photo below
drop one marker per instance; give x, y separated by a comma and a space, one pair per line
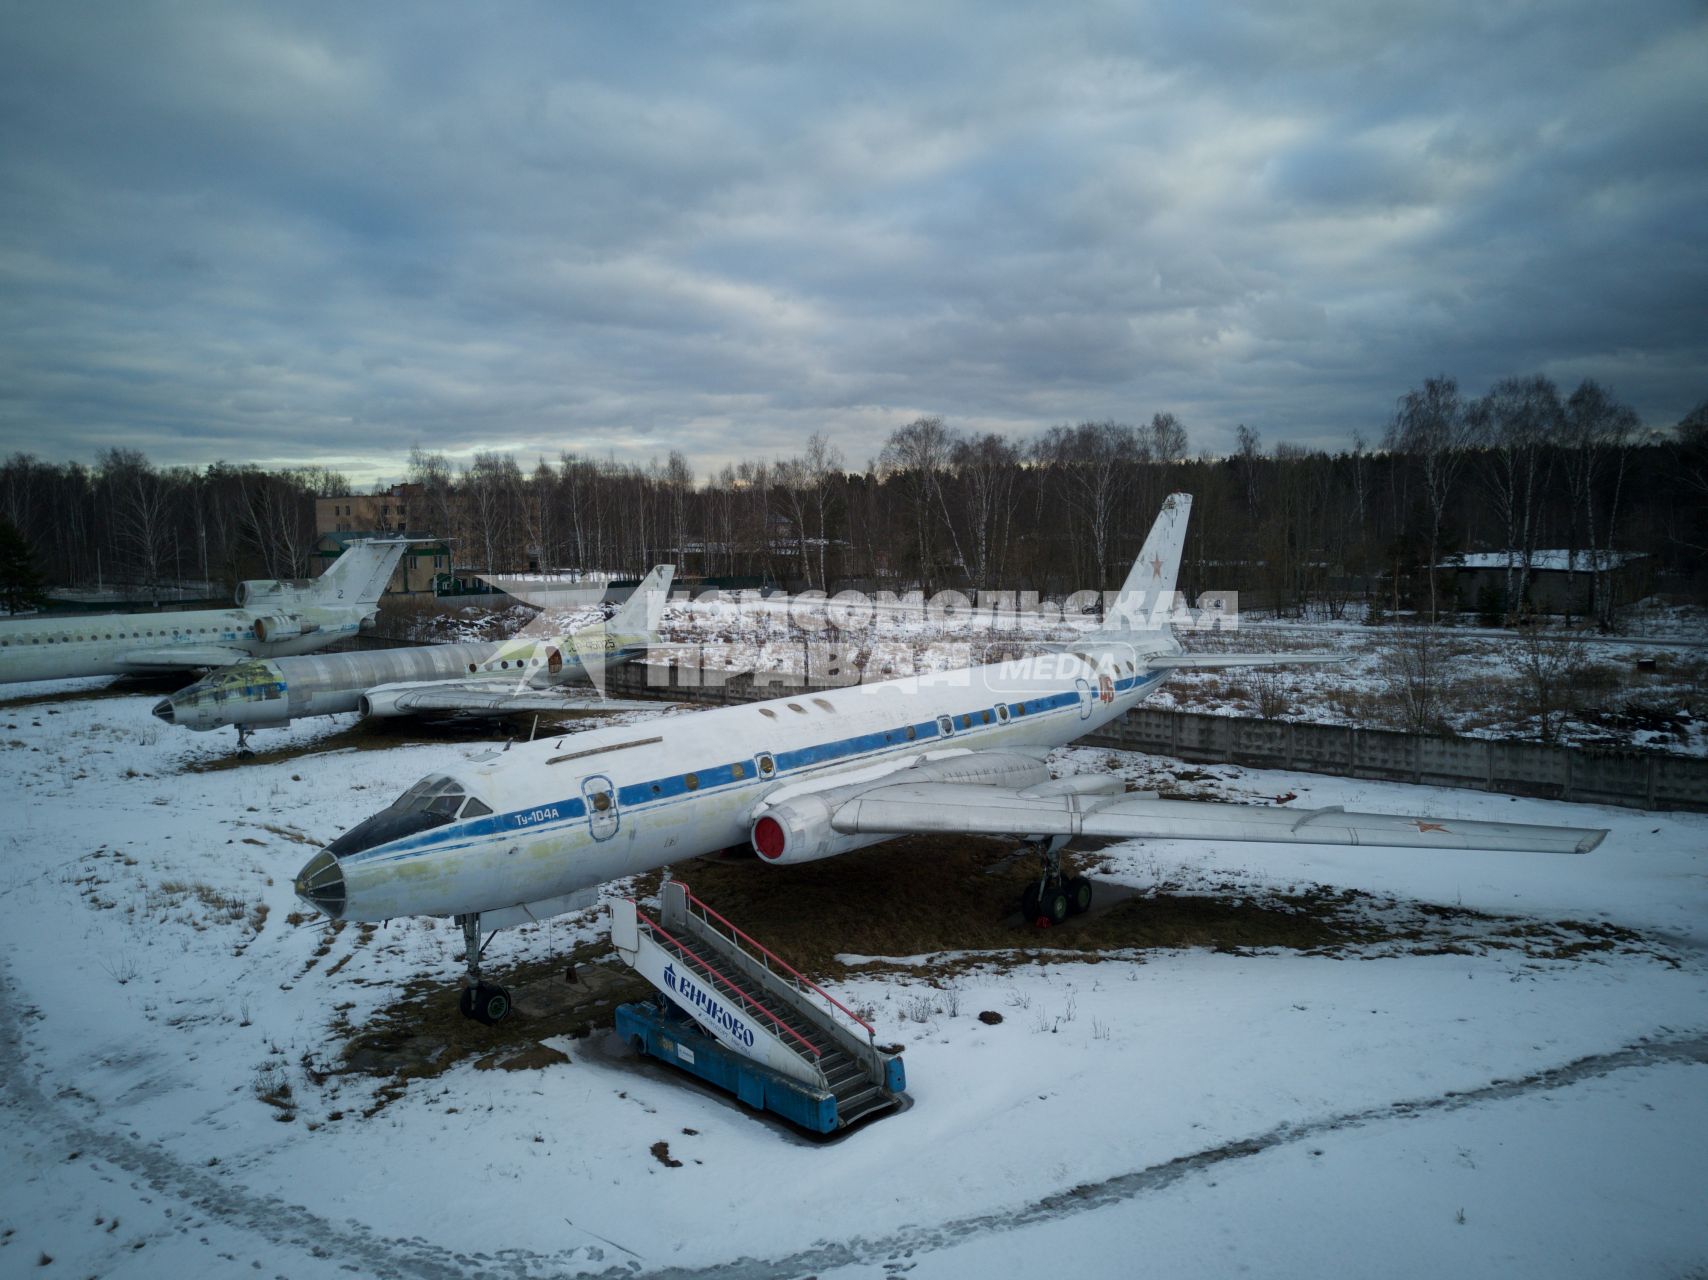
178, 657
1209, 661
498, 697
904, 808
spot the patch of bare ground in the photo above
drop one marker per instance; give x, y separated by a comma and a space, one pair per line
955, 899
421, 1033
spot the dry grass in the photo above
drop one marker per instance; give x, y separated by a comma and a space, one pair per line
218, 907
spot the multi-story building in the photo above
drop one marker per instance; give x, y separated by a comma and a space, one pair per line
341, 520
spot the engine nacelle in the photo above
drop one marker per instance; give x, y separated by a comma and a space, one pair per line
282, 626
799, 830
258, 590
256, 593
382, 704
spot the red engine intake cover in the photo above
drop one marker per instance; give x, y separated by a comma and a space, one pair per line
769, 837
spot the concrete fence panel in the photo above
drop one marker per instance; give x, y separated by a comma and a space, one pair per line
1258, 742
1527, 767
1678, 782
1322, 748
1378, 753
1451, 762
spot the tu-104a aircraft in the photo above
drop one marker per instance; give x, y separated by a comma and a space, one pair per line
272, 618
535, 830
547, 674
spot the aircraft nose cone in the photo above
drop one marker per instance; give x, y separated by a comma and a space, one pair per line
163, 711
321, 884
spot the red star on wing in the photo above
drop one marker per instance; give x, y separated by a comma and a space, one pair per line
1423, 826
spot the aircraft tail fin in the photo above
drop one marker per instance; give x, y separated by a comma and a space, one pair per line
640, 613
359, 576
1146, 598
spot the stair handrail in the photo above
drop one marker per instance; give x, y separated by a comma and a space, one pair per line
796, 974
690, 956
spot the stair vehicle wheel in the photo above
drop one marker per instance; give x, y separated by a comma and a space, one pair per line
491, 1004
1029, 902
1079, 895
1053, 903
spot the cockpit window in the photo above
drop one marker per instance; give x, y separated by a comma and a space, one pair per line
432, 795
430, 803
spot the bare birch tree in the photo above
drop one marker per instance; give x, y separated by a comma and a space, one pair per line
1518, 421
1431, 426
1598, 435
140, 502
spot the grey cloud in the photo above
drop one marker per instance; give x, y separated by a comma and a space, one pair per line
332, 232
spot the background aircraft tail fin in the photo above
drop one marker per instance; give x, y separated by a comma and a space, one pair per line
640, 613
1146, 598
359, 576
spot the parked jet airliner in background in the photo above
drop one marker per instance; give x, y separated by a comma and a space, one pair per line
271, 618
548, 674
535, 830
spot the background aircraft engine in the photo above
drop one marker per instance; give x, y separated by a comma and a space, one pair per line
381, 705
252, 593
800, 831
280, 627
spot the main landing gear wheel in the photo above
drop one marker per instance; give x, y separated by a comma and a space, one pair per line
481, 1001
1079, 895
490, 1004
1053, 897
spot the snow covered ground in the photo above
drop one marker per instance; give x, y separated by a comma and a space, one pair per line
1480, 1110
1646, 691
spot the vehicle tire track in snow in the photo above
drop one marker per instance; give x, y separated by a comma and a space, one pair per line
351, 1244
347, 1244
1692, 1048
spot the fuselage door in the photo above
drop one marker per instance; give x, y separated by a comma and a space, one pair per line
1085, 697
601, 800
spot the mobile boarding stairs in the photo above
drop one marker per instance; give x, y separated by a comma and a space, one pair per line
736, 1015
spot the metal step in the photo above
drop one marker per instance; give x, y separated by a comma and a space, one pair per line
852, 1091
874, 1101
765, 1000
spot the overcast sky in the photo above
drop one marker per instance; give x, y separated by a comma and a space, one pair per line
321, 234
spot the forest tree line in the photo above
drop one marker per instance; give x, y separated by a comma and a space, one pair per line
1523, 467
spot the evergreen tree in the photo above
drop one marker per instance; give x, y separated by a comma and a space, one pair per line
20, 581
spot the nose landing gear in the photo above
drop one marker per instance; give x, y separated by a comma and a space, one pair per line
482, 1001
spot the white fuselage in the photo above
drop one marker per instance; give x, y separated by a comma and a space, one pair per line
571, 814
98, 644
